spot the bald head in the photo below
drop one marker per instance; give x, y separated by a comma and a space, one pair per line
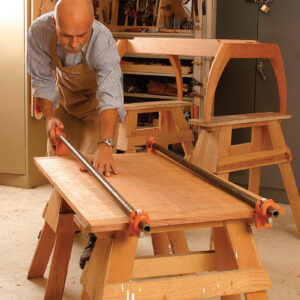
73, 21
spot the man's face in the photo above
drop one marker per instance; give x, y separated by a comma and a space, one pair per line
73, 35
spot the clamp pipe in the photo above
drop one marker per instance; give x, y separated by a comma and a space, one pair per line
143, 226
235, 191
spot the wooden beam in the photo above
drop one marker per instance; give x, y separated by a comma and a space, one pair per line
254, 159
166, 265
191, 286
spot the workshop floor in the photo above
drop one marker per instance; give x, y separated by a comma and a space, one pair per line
20, 222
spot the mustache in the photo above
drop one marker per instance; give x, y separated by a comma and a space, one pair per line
67, 47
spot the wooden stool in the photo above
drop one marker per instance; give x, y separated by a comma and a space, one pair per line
172, 127
113, 271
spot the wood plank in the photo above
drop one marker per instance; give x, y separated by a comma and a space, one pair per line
167, 265
239, 119
278, 141
61, 257
160, 243
138, 68
42, 253
191, 287
185, 197
157, 105
95, 272
173, 46
243, 248
51, 213
122, 258
254, 159
168, 138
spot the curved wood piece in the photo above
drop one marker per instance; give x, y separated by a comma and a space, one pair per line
221, 59
278, 67
244, 50
175, 62
122, 46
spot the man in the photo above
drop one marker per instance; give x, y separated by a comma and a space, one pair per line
76, 77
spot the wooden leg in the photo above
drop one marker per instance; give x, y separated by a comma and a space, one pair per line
61, 257
277, 140
224, 256
160, 242
42, 253
243, 248
112, 261
182, 125
258, 137
291, 190
84, 295
254, 180
178, 242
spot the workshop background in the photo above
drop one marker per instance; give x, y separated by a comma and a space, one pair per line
242, 88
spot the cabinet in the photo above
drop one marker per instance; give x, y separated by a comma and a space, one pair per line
20, 134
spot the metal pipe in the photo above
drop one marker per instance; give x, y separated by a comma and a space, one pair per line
249, 199
125, 205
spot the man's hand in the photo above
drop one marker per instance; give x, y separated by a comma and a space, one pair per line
50, 121
51, 124
103, 160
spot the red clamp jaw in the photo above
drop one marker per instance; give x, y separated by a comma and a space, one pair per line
149, 144
263, 213
61, 148
138, 222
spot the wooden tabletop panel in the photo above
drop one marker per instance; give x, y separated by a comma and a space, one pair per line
169, 193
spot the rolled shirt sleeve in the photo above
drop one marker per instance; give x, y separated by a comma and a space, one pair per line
39, 62
109, 75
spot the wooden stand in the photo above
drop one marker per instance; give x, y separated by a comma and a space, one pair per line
114, 272
213, 150
172, 127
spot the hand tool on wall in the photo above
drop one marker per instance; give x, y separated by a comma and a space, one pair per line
265, 209
138, 219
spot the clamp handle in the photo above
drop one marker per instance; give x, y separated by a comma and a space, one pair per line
138, 222
265, 209
60, 147
149, 144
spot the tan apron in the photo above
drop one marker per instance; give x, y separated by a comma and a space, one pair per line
77, 86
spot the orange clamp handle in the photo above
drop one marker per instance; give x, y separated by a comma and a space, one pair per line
261, 217
149, 144
61, 148
134, 220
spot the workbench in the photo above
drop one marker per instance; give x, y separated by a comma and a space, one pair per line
176, 200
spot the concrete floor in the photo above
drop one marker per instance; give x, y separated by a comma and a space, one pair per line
20, 221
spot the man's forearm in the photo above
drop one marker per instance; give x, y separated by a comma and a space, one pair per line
108, 123
46, 107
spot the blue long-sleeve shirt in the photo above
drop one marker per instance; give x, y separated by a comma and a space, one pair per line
101, 56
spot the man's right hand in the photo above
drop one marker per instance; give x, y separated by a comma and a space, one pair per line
50, 120
51, 124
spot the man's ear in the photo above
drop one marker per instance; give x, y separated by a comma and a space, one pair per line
54, 21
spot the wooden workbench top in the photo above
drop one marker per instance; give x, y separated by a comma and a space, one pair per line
169, 193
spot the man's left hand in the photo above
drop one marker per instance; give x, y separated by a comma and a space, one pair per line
103, 160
